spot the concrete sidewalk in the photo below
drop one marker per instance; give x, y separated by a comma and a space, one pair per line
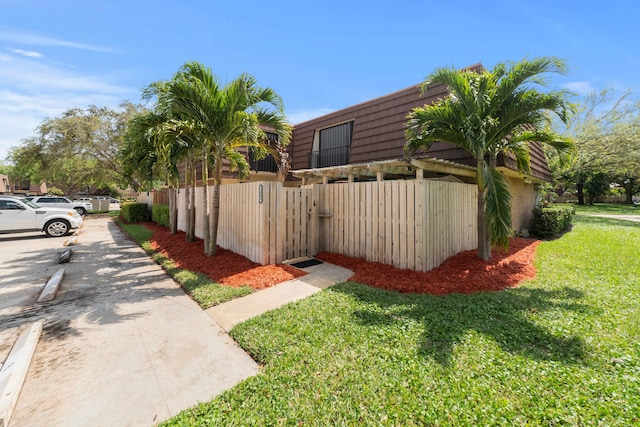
634, 218
121, 345
318, 277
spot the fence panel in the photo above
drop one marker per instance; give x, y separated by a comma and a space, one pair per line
414, 224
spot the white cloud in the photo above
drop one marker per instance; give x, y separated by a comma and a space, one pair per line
27, 53
300, 116
582, 88
31, 92
27, 38
29, 76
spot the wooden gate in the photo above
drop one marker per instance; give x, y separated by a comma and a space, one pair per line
299, 222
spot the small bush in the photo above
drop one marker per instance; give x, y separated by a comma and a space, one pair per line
160, 215
135, 212
549, 222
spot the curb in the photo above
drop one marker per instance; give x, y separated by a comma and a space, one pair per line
14, 370
50, 289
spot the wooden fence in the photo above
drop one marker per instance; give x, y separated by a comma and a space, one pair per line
414, 224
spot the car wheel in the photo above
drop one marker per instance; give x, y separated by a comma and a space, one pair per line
81, 211
57, 228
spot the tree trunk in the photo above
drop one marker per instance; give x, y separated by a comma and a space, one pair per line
173, 211
190, 199
484, 239
205, 201
580, 188
189, 209
215, 205
628, 191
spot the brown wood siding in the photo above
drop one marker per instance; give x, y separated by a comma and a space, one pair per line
378, 132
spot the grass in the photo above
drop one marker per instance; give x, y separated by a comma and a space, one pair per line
200, 288
562, 349
603, 209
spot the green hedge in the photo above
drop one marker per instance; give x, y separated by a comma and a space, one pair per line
135, 212
549, 222
160, 215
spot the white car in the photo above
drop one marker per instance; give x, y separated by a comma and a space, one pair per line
61, 202
19, 215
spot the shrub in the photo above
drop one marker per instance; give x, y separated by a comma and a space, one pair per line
549, 222
160, 215
135, 212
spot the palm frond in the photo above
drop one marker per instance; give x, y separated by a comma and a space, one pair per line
498, 207
237, 161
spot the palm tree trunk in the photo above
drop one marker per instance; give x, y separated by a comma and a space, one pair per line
215, 206
193, 201
484, 239
205, 201
173, 211
189, 199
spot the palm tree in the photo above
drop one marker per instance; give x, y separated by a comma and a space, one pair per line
224, 118
489, 113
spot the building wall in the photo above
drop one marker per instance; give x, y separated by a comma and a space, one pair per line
523, 200
378, 132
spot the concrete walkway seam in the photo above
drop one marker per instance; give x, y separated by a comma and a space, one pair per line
50, 289
14, 370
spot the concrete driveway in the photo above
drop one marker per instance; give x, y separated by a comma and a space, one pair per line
122, 344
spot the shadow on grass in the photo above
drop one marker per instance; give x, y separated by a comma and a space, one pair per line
507, 317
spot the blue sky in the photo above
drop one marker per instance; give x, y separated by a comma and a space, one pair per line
319, 56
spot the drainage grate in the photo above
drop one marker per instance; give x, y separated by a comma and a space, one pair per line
307, 263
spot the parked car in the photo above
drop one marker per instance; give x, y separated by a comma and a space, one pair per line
19, 215
109, 198
61, 202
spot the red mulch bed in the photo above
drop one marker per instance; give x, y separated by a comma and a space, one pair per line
226, 267
462, 273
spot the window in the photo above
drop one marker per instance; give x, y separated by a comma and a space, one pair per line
6, 205
268, 164
332, 146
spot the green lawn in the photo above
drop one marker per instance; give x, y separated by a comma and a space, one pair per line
200, 288
603, 209
563, 349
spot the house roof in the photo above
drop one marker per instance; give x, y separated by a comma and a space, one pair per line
378, 133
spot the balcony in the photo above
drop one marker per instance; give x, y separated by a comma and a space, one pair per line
329, 157
268, 164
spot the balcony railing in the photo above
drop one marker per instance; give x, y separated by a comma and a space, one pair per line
268, 164
329, 157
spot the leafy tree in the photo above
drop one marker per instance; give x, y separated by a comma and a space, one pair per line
606, 132
76, 150
489, 113
159, 144
596, 185
224, 118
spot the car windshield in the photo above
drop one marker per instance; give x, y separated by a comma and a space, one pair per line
30, 203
